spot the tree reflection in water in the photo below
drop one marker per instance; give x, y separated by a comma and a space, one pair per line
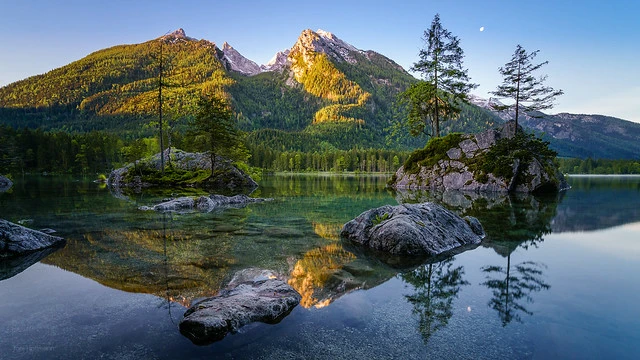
436, 286
511, 221
512, 288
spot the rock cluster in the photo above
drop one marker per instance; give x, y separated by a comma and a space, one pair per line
413, 229
203, 203
252, 295
18, 240
453, 172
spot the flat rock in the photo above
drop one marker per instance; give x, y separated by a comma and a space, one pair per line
252, 295
18, 240
203, 203
413, 229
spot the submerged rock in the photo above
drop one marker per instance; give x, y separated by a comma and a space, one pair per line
17, 240
413, 229
252, 295
5, 184
203, 203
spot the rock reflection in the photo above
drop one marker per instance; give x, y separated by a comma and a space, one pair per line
435, 285
508, 220
12, 266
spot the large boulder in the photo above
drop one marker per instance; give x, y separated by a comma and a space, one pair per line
18, 240
5, 184
252, 295
460, 166
413, 229
227, 176
203, 203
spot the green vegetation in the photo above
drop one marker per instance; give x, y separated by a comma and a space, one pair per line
435, 151
599, 166
502, 155
379, 219
215, 131
446, 82
115, 88
498, 160
171, 176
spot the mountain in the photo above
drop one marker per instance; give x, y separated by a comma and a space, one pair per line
321, 94
579, 135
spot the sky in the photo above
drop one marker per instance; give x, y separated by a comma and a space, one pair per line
592, 47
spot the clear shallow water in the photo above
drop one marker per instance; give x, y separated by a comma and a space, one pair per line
119, 287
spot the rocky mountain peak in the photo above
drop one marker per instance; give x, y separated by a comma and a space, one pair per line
234, 61
179, 33
326, 43
278, 62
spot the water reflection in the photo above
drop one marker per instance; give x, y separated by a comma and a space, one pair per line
319, 276
508, 220
598, 202
511, 222
163, 259
12, 266
435, 285
512, 288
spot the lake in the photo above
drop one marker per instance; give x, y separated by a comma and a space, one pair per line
556, 277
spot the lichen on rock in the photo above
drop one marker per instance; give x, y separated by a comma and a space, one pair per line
413, 229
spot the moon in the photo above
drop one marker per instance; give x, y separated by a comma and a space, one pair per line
481, 28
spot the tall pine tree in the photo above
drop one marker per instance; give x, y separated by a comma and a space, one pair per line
449, 84
216, 131
519, 84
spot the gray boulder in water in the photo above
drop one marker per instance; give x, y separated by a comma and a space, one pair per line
252, 295
413, 229
5, 184
17, 240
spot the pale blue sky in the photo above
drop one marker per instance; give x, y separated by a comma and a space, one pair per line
592, 46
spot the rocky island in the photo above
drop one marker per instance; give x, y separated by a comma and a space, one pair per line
182, 169
497, 160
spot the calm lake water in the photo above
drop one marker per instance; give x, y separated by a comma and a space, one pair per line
556, 278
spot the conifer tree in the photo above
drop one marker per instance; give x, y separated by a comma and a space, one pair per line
520, 85
449, 84
216, 131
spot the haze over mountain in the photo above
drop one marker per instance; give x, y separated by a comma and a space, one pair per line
322, 92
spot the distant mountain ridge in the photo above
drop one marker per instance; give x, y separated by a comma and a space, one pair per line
321, 93
578, 135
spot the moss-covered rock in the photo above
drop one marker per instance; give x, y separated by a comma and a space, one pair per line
497, 160
181, 169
